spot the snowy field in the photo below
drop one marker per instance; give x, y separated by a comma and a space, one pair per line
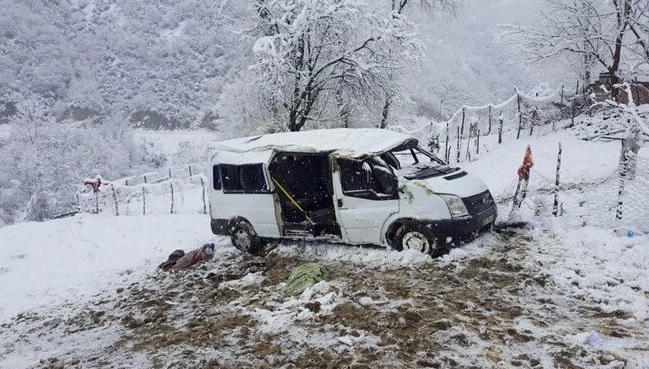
84, 290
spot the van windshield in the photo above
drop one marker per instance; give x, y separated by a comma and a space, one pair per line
413, 162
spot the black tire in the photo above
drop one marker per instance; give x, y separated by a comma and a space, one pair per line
244, 238
418, 237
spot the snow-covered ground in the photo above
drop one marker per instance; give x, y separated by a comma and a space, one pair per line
565, 292
48, 264
5, 129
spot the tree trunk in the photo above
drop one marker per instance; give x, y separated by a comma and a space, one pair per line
343, 109
622, 23
386, 111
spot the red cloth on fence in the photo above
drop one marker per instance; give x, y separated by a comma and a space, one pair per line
528, 163
94, 184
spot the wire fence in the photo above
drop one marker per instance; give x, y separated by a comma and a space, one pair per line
617, 199
475, 128
172, 191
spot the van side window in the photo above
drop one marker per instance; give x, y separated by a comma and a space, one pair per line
243, 178
364, 180
216, 177
353, 176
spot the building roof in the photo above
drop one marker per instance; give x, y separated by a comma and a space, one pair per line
346, 141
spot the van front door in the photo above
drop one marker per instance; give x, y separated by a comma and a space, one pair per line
366, 195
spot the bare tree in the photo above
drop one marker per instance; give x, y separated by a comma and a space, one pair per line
309, 48
639, 27
588, 33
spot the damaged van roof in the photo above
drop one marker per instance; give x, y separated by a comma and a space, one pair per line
346, 141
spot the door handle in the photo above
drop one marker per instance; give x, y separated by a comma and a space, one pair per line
340, 203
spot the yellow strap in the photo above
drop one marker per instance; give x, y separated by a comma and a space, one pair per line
276, 182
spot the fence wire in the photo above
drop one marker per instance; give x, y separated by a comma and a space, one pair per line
599, 203
475, 128
150, 193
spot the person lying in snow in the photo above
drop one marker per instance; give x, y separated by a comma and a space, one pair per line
171, 260
179, 261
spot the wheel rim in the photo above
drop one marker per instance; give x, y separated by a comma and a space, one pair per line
241, 239
416, 241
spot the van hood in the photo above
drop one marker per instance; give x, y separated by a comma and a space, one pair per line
459, 183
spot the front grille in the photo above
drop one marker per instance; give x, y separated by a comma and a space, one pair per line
479, 203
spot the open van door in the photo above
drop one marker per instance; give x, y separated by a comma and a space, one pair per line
366, 194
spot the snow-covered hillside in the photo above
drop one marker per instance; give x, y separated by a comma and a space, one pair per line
558, 294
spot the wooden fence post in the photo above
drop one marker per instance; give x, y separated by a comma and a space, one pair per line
477, 142
468, 147
204, 202
572, 113
112, 187
172, 196
463, 116
143, 200
490, 117
501, 121
561, 95
531, 127
169, 173
555, 208
620, 192
96, 202
144, 176
520, 116
190, 170
458, 144
446, 152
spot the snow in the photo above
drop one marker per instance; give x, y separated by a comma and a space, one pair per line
253, 157
169, 142
5, 130
49, 263
353, 142
582, 162
601, 267
587, 270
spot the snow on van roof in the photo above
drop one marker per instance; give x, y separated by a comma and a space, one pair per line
346, 141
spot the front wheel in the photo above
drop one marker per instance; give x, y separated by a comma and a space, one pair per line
418, 238
244, 238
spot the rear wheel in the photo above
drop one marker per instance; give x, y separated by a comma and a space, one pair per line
245, 238
418, 238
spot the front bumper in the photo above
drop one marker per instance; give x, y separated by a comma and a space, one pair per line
454, 232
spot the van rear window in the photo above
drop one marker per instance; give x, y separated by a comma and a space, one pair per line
243, 178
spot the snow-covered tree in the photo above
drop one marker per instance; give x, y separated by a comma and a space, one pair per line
639, 28
589, 34
310, 50
43, 162
400, 7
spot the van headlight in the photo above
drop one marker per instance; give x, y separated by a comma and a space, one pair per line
455, 205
